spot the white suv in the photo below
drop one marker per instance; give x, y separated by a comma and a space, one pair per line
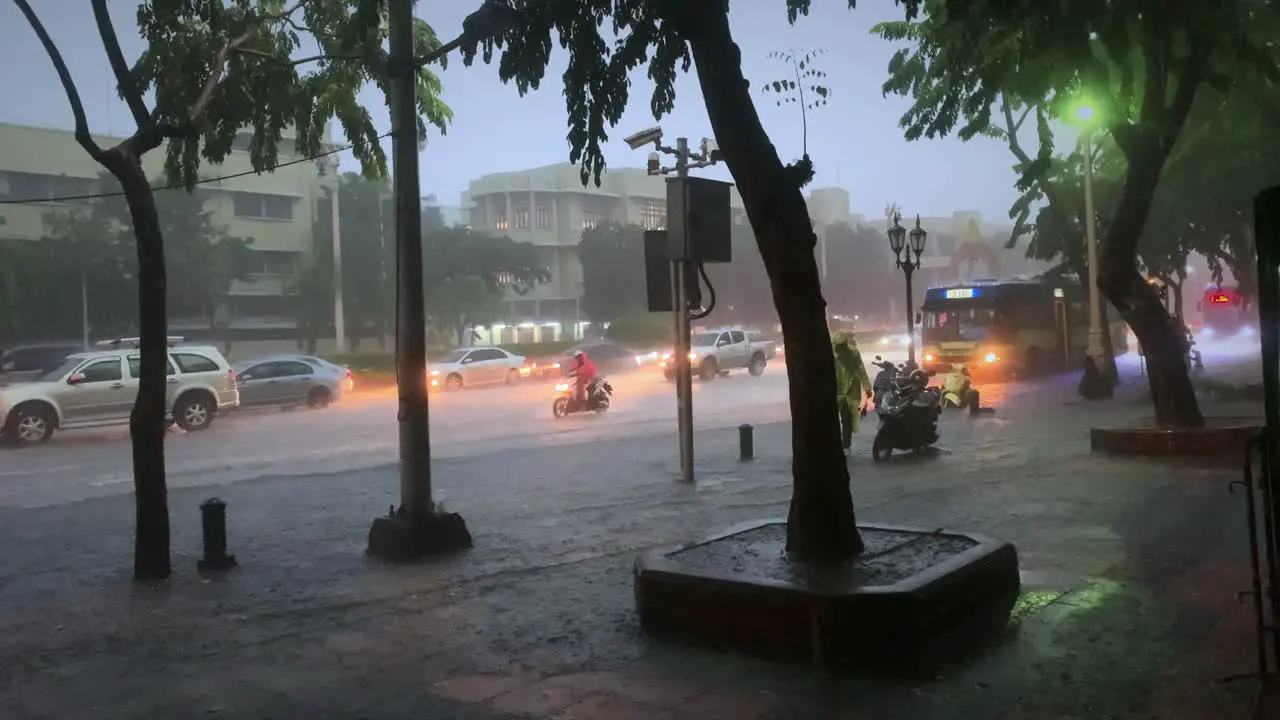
94, 389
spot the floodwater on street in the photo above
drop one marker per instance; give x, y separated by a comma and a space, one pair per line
361, 432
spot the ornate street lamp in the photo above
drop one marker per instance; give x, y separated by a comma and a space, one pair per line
903, 256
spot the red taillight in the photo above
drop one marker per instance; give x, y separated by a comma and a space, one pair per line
231, 376
1219, 299
348, 374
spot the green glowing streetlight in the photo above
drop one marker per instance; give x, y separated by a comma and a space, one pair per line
1084, 113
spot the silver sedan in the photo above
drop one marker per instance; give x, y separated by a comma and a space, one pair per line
289, 380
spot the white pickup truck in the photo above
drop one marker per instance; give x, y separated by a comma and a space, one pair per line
716, 352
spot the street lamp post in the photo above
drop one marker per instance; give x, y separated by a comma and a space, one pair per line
1097, 382
902, 253
339, 316
1095, 349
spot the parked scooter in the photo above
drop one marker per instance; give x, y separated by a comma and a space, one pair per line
957, 390
908, 417
882, 385
599, 393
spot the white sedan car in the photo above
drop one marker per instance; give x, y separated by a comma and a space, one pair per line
475, 366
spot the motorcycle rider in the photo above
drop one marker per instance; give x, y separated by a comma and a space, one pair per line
956, 386
583, 372
852, 384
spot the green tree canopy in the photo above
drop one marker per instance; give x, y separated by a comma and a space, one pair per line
213, 70
1137, 70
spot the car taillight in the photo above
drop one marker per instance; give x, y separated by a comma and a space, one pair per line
231, 376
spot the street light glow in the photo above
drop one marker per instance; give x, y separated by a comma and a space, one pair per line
1084, 113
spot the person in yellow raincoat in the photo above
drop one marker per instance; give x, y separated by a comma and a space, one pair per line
852, 385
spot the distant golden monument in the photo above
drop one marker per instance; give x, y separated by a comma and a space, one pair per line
972, 250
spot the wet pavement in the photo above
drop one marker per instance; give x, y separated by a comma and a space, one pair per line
1128, 612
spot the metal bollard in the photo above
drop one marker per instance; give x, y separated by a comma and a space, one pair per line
213, 523
746, 443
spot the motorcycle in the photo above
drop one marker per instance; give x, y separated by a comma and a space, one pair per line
908, 418
599, 393
883, 383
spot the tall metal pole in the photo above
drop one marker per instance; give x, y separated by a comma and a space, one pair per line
822, 250
684, 372
1095, 349
411, 321
339, 317
907, 269
84, 310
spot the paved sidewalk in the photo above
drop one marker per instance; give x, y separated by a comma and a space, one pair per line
1128, 612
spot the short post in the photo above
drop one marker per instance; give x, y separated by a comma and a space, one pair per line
213, 523
746, 443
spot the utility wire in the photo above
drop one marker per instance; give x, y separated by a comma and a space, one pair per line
205, 181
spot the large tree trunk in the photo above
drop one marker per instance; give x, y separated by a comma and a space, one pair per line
820, 526
1109, 347
1118, 278
147, 421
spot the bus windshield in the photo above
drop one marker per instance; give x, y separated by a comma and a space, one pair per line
960, 324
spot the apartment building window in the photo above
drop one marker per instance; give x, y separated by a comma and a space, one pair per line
500, 220
259, 206
40, 187
542, 217
522, 217
592, 216
653, 215
273, 262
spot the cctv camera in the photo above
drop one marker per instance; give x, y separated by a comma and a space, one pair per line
644, 137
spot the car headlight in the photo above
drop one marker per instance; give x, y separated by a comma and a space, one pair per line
928, 357
435, 373
693, 358
562, 387
990, 357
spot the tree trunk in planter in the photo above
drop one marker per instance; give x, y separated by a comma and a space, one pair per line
1161, 337
147, 421
821, 526
1109, 347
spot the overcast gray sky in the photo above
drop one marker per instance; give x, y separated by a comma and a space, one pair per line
855, 140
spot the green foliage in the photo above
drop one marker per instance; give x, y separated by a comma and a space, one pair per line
613, 280
602, 55
806, 89
466, 273
986, 69
94, 242
220, 69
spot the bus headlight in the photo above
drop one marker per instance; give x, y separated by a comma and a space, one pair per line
990, 357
